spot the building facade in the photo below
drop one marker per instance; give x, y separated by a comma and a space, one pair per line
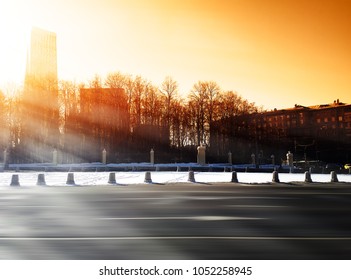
39, 108
41, 55
321, 132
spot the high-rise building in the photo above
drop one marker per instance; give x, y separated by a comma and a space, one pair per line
42, 55
40, 112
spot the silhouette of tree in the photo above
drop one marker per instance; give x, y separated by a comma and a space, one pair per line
123, 114
198, 99
39, 119
70, 124
169, 88
3, 122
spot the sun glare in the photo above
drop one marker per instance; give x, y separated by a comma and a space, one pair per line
14, 32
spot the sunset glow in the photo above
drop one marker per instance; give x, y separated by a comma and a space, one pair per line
14, 34
274, 53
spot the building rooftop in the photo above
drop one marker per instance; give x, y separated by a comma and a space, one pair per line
336, 103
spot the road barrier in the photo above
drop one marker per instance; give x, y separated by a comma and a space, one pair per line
334, 177
191, 177
308, 178
234, 177
275, 177
41, 180
147, 177
70, 179
15, 180
112, 178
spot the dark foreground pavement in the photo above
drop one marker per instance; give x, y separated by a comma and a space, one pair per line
177, 221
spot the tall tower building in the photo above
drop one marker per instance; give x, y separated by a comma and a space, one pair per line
40, 110
42, 55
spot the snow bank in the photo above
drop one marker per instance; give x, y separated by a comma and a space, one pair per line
162, 177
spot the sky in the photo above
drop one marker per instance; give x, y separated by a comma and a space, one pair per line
276, 53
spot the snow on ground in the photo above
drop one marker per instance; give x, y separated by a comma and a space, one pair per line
162, 177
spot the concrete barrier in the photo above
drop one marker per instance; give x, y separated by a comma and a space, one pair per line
333, 177
191, 177
41, 180
275, 177
70, 179
112, 178
147, 177
308, 178
15, 180
234, 177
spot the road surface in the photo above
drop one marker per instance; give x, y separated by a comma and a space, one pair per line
176, 221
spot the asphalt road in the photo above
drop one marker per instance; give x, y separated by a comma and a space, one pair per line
177, 221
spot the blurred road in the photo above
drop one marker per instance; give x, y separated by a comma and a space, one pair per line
177, 221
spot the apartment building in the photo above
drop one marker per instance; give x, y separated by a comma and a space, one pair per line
321, 132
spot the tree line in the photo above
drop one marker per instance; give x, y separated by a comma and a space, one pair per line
123, 114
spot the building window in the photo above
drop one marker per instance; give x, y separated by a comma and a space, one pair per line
333, 119
318, 120
325, 119
340, 118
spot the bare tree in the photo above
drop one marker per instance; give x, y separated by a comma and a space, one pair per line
70, 122
212, 93
68, 101
4, 124
203, 102
151, 106
139, 87
121, 108
39, 118
116, 80
169, 89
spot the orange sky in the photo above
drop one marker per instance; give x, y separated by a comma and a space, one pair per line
273, 52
